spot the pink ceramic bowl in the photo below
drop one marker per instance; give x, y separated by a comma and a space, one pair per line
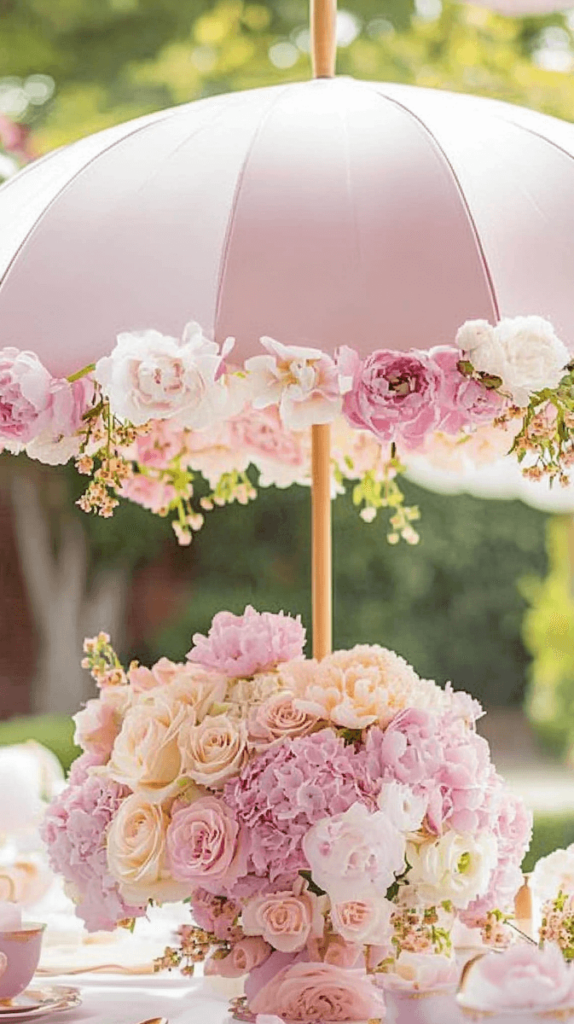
22, 950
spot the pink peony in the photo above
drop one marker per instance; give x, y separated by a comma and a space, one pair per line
159, 444
319, 992
245, 956
355, 854
149, 492
280, 455
74, 831
463, 401
205, 845
393, 394
279, 794
422, 972
241, 645
523, 977
25, 395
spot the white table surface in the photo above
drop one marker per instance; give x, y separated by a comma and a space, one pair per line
120, 1000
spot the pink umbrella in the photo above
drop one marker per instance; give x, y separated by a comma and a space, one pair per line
325, 213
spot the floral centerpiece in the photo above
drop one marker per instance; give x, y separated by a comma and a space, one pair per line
325, 820
144, 422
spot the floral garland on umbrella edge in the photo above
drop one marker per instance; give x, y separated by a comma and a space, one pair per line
144, 420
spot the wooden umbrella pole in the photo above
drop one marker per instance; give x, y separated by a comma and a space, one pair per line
323, 52
323, 37
321, 561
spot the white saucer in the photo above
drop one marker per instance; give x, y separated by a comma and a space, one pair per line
39, 1002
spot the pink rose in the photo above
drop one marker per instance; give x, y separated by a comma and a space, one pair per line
25, 396
285, 919
319, 992
205, 846
523, 977
367, 921
277, 452
245, 956
392, 394
216, 914
241, 645
100, 721
341, 953
277, 719
355, 854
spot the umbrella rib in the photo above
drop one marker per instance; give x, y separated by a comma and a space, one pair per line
235, 202
463, 199
69, 182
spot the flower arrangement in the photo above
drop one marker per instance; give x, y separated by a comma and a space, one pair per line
327, 821
145, 421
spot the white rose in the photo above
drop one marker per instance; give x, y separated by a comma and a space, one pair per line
303, 382
153, 376
404, 808
453, 867
214, 750
147, 752
364, 922
136, 853
523, 351
553, 874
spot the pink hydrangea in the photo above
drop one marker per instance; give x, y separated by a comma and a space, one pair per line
393, 394
440, 756
241, 645
282, 792
74, 830
463, 401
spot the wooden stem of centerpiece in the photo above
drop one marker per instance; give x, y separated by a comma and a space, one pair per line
322, 543
323, 37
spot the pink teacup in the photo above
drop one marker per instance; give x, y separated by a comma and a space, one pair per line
22, 950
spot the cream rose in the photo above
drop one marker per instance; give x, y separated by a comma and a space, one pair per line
136, 852
453, 867
214, 750
286, 920
147, 753
278, 719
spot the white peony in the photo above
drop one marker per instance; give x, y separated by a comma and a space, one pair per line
153, 376
523, 351
453, 867
402, 806
303, 382
553, 874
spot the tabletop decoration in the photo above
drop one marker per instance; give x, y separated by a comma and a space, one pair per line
552, 887
327, 821
143, 422
523, 985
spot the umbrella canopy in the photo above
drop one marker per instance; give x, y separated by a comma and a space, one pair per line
329, 212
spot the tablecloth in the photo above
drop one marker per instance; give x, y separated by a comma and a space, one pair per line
116, 1000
